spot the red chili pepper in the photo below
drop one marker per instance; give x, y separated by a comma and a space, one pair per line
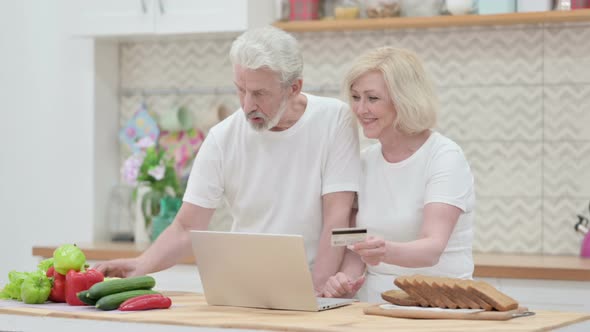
50, 271
146, 302
80, 281
58, 289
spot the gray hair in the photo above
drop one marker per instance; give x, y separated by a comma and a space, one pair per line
410, 89
269, 47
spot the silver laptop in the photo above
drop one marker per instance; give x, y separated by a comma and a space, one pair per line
257, 270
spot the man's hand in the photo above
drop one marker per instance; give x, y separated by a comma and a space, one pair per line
122, 268
340, 285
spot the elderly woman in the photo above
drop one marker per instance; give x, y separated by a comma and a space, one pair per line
417, 190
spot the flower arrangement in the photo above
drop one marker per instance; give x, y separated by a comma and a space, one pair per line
150, 167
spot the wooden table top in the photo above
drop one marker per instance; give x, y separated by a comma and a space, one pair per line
486, 265
190, 309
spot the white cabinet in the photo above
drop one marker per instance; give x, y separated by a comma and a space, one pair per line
103, 18
110, 17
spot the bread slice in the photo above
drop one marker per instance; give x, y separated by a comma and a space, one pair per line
459, 292
491, 295
406, 285
399, 297
444, 285
463, 285
440, 296
426, 291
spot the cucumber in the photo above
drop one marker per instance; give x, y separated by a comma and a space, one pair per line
105, 288
83, 296
113, 301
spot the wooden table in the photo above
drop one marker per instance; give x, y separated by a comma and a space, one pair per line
190, 309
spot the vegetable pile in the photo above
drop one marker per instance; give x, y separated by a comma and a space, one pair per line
65, 278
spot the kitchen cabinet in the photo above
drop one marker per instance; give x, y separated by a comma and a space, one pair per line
111, 18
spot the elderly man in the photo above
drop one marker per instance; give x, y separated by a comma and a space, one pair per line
287, 163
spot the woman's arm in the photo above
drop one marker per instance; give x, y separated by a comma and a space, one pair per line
439, 221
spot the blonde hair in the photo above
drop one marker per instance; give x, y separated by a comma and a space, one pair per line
410, 89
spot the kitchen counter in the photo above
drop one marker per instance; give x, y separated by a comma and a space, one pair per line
191, 310
486, 265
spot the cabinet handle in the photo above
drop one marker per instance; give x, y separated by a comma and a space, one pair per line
143, 7
162, 10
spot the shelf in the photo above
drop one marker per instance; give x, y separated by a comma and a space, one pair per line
579, 15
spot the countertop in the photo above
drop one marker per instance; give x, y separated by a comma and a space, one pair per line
486, 265
190, 309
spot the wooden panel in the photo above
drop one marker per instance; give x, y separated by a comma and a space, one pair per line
436, 21
532, 267
191, 310
105, 251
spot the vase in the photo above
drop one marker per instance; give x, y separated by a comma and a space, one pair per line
169, 207
141, 231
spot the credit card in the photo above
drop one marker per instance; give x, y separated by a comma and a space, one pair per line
347, 236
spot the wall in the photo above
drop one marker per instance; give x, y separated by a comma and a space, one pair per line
517, 99
46, 133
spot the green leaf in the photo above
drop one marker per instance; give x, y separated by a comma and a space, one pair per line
45, 264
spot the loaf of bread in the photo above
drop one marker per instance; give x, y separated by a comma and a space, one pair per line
452, 293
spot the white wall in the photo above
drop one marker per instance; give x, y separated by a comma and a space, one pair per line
46, 133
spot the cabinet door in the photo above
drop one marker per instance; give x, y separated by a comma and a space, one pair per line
111, 17
187, 16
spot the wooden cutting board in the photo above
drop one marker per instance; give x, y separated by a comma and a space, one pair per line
435, 313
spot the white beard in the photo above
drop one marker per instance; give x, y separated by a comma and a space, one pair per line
267, 123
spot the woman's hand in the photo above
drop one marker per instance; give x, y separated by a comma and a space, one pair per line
372, 251
340, 285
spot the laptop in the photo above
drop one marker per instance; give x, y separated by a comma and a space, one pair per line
257, 270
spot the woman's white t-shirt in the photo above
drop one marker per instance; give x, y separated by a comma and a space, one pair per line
391, 203
273, 181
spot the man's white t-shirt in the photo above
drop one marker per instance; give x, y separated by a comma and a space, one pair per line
273, 181
391, 203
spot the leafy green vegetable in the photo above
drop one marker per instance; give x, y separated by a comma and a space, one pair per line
45, 264
13, 288
35, 288
68, 257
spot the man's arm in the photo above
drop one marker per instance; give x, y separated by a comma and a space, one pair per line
170, 247
336, 210
175, 243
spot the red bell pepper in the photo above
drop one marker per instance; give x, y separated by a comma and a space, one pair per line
146, 302
50, 271
80, 281
58, 288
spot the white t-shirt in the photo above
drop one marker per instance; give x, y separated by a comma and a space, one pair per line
391, 203
273, 181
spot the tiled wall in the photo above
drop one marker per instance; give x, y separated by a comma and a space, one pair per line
517, 99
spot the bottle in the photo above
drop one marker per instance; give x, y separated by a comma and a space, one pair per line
582, 227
